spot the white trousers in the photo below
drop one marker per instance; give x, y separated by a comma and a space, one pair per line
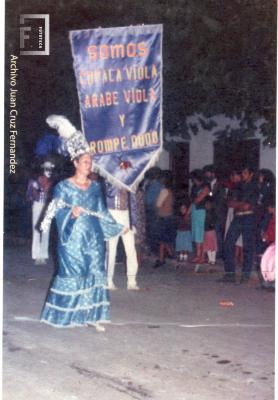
122, 217
40, 240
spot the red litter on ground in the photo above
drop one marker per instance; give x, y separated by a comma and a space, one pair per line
226, 304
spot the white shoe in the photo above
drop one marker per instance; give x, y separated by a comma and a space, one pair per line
133, 287
185, 257
100, 328
181, 257
40, 261
111, 286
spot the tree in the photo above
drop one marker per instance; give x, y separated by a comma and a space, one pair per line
219, 57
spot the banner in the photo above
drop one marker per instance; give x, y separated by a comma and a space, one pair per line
119, 82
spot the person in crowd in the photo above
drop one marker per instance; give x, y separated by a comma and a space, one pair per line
268, 257
40, 193
79, 295
217, 192
183, 238
140, 235
268, 269
166, 224
266, 184
235, 178
122, 206
245, 198
199, 192
210, 240
268, 236
152, 191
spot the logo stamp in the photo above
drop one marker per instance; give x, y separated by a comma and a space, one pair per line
36, 36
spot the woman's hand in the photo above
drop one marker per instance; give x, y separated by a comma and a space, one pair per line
125, 230
76, 211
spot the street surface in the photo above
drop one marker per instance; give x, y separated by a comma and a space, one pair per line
170, 340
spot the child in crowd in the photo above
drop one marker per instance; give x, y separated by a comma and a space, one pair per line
183, 238
210, 240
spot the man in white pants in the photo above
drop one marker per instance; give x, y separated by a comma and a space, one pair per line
117, 204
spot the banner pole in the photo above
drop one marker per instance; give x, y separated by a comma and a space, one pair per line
129, 210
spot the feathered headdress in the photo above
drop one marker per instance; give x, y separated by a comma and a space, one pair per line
74, 140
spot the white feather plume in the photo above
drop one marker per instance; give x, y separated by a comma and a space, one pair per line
62, 124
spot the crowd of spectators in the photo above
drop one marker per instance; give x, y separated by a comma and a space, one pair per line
230, 220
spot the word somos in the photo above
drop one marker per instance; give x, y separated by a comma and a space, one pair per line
118, 51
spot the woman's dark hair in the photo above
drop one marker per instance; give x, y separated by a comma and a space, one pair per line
141, 185
267, 174
197, 174
210, 201
184, 202
271, 200
168, 178
209, 168
249, 168
153, 173
236, 170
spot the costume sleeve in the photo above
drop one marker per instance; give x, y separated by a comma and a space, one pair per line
108, 225
134, 214
29, 193
111, 192
63, 216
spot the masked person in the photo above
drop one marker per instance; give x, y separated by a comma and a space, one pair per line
40, 193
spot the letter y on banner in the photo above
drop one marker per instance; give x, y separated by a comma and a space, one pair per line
119, 82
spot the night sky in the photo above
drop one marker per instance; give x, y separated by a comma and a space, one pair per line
217, 57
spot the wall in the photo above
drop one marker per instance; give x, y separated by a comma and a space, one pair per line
201, 145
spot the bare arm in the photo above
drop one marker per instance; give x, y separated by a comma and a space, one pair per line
239, 205
189, 210
202, 195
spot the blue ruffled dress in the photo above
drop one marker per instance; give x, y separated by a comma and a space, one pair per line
79, 294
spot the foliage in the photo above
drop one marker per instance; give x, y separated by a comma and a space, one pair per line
219, 57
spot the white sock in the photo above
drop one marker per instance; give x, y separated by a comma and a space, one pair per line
213, 256
209, 255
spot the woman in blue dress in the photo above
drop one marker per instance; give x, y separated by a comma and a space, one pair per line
200, 191
79, 295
